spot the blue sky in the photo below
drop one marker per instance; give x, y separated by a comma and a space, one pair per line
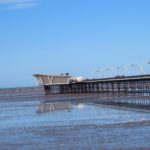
75, 36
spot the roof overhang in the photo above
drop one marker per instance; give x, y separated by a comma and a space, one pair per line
43, 79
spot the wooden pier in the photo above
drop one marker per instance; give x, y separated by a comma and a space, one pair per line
124, 84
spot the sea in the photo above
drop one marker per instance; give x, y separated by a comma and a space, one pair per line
31, 120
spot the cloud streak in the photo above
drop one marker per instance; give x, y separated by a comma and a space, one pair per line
19, 4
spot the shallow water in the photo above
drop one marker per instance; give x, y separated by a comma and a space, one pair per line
38, 124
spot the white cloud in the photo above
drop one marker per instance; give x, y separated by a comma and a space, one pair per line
19, 4
15, 1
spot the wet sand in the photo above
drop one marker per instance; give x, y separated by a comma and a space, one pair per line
29, 120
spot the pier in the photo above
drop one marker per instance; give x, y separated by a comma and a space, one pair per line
119, 84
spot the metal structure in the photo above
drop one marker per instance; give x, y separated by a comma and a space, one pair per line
52, 79
64, 84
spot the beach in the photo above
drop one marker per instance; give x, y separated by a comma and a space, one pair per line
29, 119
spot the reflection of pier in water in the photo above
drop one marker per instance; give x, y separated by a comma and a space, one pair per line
51, 107
134, 102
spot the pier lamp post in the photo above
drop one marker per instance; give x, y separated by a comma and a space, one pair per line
118, 71
127, 68
139, 67
95, 72
145, 65
148, 62
100, 71
112, 70
134, 66
92, 72
106, 71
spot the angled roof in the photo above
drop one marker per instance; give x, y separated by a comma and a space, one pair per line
43, 79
